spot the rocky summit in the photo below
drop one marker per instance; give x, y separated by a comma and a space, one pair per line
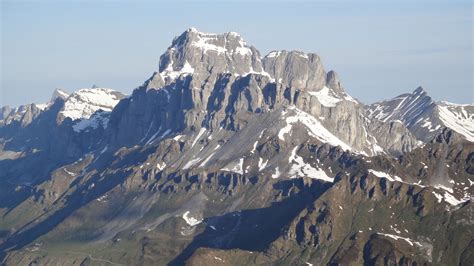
225, 156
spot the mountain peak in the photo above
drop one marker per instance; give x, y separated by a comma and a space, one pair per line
425, 117
85, 102
195, 41
203, 55
59, 93
192, 29
419, 91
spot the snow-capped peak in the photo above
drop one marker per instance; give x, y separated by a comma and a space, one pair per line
425, 117
226, 43
85, 102
197, 53
59, 93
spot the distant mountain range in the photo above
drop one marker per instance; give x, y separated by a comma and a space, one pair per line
225, 156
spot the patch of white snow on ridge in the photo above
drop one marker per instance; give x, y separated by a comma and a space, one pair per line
41, 106
451, 199
277, 173
58, 93
393, 178
205, 44
173, 74
458, 119
273, 54
96, 120
324, 97
209, 42
439, 186
349, 98
262, 164
316, 129
438, 197
237, 168
191, 220
263, 73
448, 196
68, 172
411, 242
178, 137
254, 148
203, 129
191, 163
85, 102
385, 175
160, 166
203, 163
300, 168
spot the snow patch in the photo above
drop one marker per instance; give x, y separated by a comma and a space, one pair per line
325, 97
411, 242
85, 102
438, 196
273, 54
201, 131
237, 168
300, 168
68, 172
160, 166
458, 119
97, 119
171, 74
262, 164
191, 220
191, 163
452, 200
277, 173
316, 129
385, 175
203, 163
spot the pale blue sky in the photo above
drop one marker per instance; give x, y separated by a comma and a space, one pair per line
379, 48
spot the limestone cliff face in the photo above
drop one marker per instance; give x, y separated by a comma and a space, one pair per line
218, 81
22, 115
296, 69
393, 136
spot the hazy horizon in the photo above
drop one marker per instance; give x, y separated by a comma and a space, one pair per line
379, 49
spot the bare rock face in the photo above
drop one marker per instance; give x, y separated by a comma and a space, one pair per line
296, 69
333, 82
393, 136
5, 111
22, 115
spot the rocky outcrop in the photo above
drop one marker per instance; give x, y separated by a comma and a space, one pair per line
296, 69
393, 136
21, 116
